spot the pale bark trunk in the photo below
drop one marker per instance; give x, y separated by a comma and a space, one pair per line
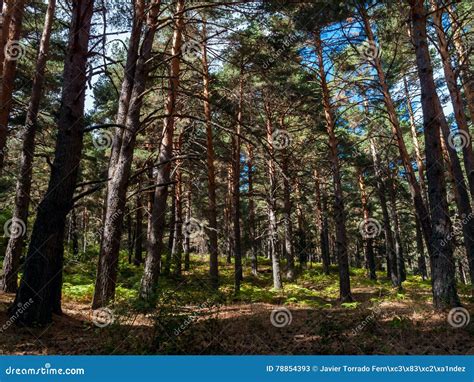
9, 280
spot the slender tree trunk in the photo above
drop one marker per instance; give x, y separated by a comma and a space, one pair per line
9, 70
322, 223
463, 59
42, 277
421, 251
9, 279
251, 202
369, 241
401, 271
339, 213
442, 262
211, 171
287, 207
237, 250
138, 242
152, 263
455, 94
187, 243
5, 19
271, 204
177, 249
415, 189
119, 173
389, 240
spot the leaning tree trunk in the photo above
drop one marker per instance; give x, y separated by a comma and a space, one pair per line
119, 173
42, 277
339, 212
464, 61
155, 246
442, 261
415, 189
455, 94
13, 52
9, 281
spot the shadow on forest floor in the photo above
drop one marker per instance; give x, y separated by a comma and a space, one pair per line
381, 321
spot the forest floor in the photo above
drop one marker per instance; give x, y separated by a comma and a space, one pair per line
307, 317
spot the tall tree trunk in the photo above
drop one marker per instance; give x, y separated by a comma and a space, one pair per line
187, 240
321, 222
13, 52
138, 241
416, 146
401, 271
389, 240
455, 94
211, 171
251, 202
442, 261
287, 207
369, 241
415, 189
119, 173
152, 263
6, 9
271, 203
463, 59
9, 279
421, 251
177, 249
339, 212
237, 250
42, 277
